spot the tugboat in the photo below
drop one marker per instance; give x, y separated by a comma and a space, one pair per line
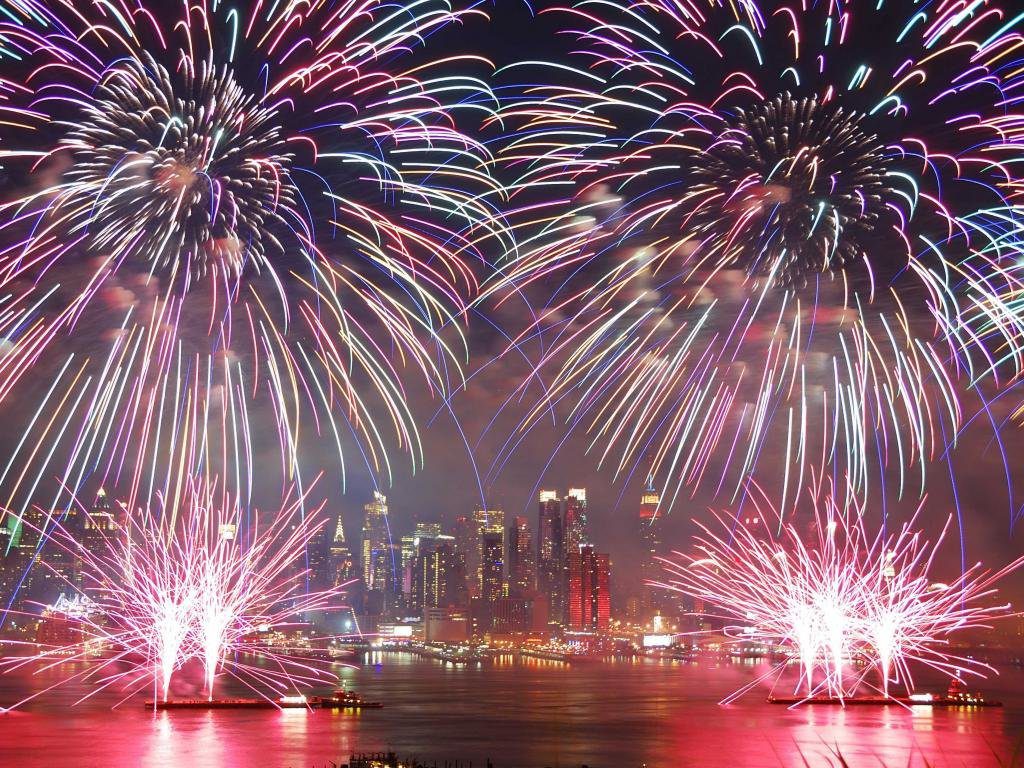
341, 698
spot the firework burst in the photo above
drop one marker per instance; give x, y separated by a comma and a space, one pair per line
838, 595
282, 199
196, 583
757, 233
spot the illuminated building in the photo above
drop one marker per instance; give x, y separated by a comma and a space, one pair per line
551, 554
493, 585
380, 559
487, 521
513, 614
409, 553
467, 542
318, 556
14, 565
377, 548
98, 523
342, 564
469, 533
442, 626
521, 572
589, 595
575, 519
649, 525
433, 574
34, 583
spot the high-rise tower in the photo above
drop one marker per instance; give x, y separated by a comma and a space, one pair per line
521, 571
551, 554
575, 524
380, 558
589, 590
649, 527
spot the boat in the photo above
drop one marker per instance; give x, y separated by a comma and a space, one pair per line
284, 702
956, 695
343, 699
914, 700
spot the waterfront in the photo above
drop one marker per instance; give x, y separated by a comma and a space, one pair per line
521, 715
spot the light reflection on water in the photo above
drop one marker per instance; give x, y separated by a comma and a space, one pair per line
519, 713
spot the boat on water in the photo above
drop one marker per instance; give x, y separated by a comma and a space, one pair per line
956, 695
341, 698
284, 702
338, 699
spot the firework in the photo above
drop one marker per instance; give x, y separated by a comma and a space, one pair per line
197, 583
278, 202
756, 237
838, 595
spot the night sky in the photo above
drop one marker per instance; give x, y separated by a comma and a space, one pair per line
457, 478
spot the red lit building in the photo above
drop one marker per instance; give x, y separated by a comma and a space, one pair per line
589, 593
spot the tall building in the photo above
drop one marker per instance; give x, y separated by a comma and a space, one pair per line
469, 533
467, 542
376, 540
551, 554
318, 556
589, 590
380, 559
649, 528
521, 570
493, 585
575, 521
487, 521
17, 549
342, 564
409, 553
99, 524
62, 562
434, 574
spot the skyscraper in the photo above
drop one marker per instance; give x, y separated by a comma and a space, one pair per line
410, 552
551, 554
488, 521
467, 543
318, 556
575, 523
521, 572
649, 527
589, 590
342, 564
434, 572
493, 585
380, 559
98, 524
469, 533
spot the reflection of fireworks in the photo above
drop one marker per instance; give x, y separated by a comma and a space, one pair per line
787, 240
163, 593
838, 596
192, 188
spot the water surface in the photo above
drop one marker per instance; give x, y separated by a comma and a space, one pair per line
620, 714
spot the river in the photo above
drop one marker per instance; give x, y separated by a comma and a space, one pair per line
530, 714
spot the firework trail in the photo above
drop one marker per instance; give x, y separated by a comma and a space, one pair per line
197, 583
836, 594
755, 236
275, 211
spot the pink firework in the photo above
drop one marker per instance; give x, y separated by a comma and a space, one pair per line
838, 595
193, 582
